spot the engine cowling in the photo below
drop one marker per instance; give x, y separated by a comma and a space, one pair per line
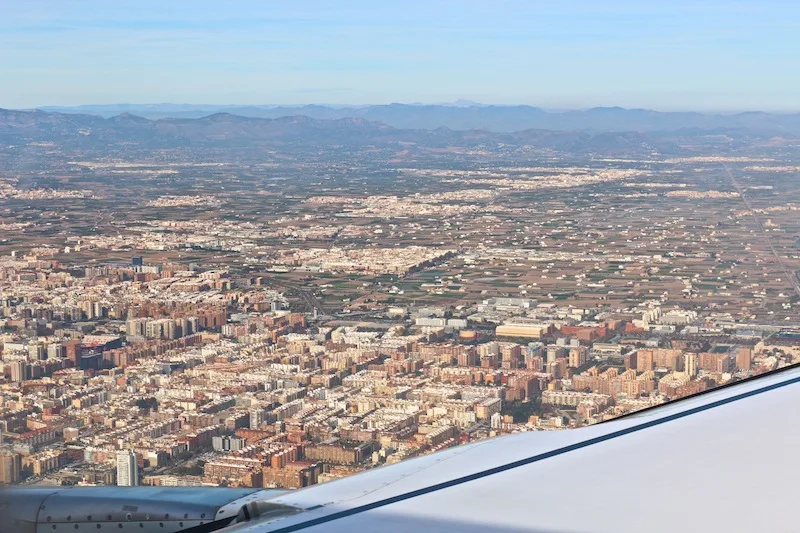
142, 509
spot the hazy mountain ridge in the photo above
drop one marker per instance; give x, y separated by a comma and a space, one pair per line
468, 117
220, 130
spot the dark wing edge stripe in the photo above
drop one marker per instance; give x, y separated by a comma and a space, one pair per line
533, 459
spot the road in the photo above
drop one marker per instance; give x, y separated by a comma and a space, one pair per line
786, 271
307, 296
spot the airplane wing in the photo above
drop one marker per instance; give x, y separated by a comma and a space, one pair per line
726, 460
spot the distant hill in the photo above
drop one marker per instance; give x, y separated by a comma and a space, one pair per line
300, 132
471, 116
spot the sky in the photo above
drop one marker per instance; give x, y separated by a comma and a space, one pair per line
705, 55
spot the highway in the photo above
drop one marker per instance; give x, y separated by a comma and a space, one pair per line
787, 272
307, 296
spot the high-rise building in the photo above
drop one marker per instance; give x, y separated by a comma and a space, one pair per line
257, 418
228, 443
127, 469
184, 326
631, 360
715, 362
666, 358
19, 371
37, 351
154, 329
510, 354
555, 351
690, 364
489, 348
577, 356
10, 467
55, 351
72, 350
644, 360
136, 326
170, 329
744, 358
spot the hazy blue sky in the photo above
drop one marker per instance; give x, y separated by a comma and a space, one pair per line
663, 54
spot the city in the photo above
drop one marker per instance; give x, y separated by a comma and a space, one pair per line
424, 266
213, 318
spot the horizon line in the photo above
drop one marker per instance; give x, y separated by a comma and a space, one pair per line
467, 104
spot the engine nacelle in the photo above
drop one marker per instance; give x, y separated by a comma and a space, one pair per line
142, 509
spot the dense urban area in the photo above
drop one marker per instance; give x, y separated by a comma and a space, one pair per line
281, 314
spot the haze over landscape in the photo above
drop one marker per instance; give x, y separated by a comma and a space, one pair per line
581, 211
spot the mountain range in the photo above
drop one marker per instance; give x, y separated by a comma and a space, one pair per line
471, 116
70, 131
